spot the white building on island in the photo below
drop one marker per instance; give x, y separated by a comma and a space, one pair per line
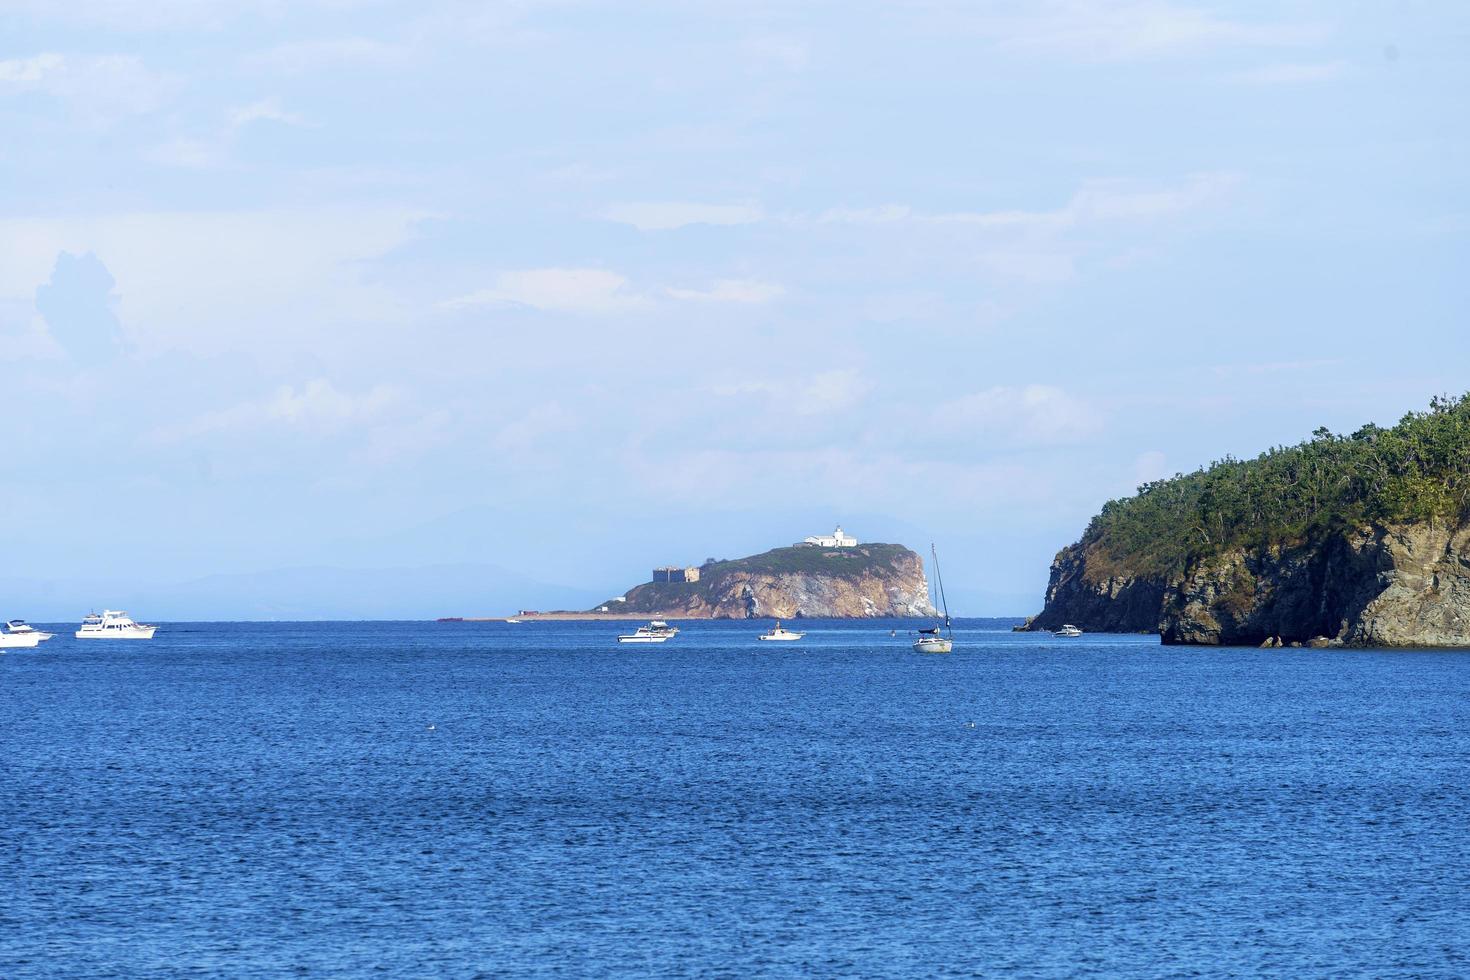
834, 540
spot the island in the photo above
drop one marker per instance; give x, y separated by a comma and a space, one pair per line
855, 581
1342, 540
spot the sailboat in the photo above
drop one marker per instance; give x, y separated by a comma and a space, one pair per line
930, 640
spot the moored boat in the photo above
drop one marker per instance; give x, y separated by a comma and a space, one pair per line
656, 631
1067, 630
930, 640
780, 634
113, 624
19, 627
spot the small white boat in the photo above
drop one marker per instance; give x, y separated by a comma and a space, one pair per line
18, 640
657, 631
930, 640
19, 627
777, 633
1067, 630
113, 624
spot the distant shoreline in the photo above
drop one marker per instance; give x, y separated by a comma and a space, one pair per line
644, 617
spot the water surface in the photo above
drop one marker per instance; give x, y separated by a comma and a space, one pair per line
462, 798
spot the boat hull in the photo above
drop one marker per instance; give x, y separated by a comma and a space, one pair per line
16, 641
135, 633
933, 644
788, 638
643, 639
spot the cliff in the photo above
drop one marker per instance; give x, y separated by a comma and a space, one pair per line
1360, 540
870, 580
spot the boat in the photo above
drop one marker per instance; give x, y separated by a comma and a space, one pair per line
931, 640
778, 633
656, 631
19, 627
113, 624
1067, 630
17, 640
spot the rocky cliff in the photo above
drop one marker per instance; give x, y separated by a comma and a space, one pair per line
1374, 585
1358, 540
870, 580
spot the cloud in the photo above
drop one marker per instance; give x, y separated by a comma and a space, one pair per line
77, 304
1292, 74
669, 215
326, 54
587, 291
731, 291
1093, 31
99, 87
315, 408
789, 53
534, 427
29, 70
265, 110
210, 279
817, 393
1027, 415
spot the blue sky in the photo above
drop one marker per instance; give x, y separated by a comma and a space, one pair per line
578, 288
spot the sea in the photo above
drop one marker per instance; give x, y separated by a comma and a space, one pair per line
490, 799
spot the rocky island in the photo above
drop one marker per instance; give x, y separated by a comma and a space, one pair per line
845, 580
1356, 540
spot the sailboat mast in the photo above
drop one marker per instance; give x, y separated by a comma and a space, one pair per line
940, 577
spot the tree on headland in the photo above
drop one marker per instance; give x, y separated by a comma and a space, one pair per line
1417, 471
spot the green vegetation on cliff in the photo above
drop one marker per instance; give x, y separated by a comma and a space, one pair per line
1414, 472
810, 560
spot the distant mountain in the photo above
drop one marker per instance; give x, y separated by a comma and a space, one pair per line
869, 580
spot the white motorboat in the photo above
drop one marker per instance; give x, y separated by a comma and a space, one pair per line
113, 624
777, 633
19, 627
17, 640
1067, 630
657, 631
930, 640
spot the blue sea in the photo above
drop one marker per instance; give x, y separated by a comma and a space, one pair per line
461, 799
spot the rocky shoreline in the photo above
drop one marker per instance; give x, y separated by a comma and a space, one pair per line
1375, 585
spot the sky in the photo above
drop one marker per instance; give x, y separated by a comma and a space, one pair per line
342, 307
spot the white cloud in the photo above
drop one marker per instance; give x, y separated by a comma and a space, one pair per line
265, 110
209, 280
1038, 266
807, 394
1292, 74
99, 87
316, 408
1125, 30
731, 291
669, 215
33, 69
300, 57
588, 291
534, 427
789, 53
1026, 415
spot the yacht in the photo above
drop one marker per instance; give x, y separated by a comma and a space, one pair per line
19, 627
18, 640
113, 624
1067, 630
930, 640
656, 631
777, 633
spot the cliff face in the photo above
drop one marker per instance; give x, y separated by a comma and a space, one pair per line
870, 580
1393, 585
1097, 595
